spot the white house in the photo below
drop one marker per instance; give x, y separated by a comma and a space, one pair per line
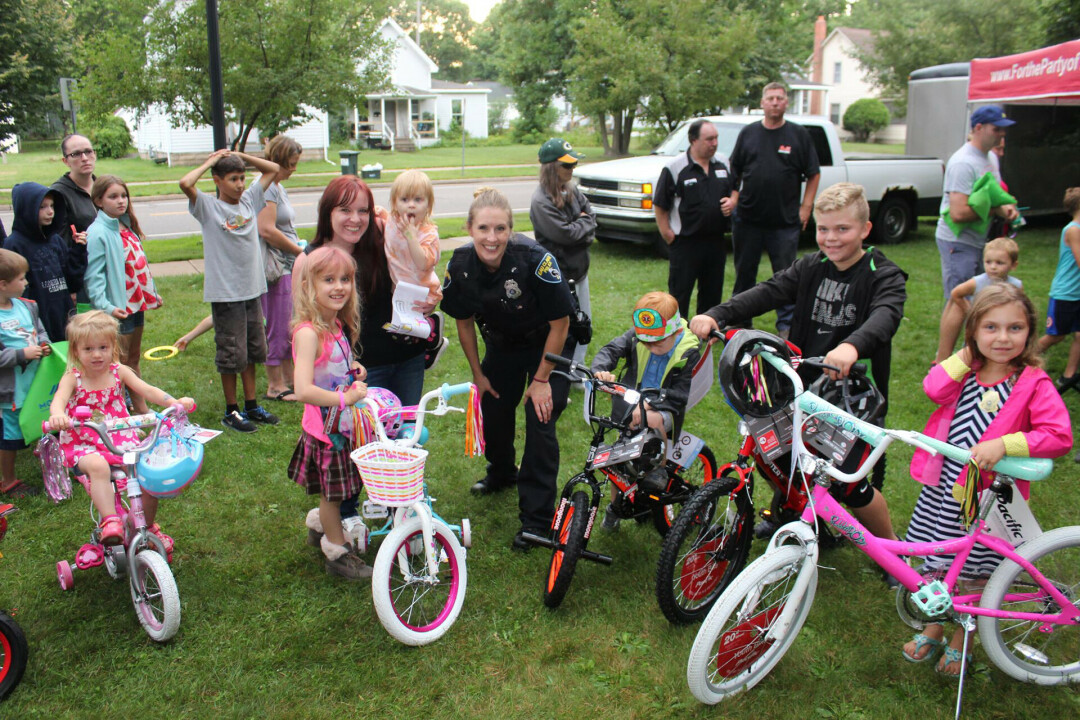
414, 108
835, 65
159, 134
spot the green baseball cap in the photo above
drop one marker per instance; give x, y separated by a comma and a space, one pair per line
558, 150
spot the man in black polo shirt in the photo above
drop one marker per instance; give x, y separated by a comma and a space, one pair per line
770, 160
692, 202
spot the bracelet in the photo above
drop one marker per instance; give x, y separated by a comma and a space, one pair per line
536, 379
341, 400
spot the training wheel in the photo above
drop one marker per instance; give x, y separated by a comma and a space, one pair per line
466, 533
161, 352
64, 575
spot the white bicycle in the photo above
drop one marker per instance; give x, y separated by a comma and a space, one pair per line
419, 576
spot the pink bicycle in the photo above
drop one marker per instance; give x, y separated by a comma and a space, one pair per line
162, 465
1028, 612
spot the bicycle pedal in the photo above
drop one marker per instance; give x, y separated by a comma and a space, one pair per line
933, 599
371, 511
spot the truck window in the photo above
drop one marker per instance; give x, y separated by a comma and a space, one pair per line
821, 144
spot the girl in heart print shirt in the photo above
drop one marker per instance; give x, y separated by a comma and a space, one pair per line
118, 277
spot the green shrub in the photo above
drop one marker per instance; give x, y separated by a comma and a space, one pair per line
865, 117
111, 137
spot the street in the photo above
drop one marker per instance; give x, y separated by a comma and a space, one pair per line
162, 219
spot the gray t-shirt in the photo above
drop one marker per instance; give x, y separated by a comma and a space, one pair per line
965, 166
284, 222
231, 245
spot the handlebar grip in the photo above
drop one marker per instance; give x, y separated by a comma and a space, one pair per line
558, 359
449, 391
45, 427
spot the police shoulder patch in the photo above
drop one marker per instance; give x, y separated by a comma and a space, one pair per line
548, 270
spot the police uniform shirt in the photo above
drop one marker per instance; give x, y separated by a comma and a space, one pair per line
692, 196
515, 301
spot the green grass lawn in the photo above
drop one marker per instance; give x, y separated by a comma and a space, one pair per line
266, 633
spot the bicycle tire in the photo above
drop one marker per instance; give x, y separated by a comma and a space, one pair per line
1024, 649
572, 540
415, 608
701, 472
155, 596
14, 653
705, 549
741, 619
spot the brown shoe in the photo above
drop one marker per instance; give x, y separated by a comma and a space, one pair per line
348, 566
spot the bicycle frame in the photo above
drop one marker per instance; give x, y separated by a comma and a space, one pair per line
886, 553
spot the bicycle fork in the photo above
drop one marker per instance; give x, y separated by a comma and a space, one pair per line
803, 535
423, 512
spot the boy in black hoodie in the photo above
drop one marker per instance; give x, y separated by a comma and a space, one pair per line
35, 234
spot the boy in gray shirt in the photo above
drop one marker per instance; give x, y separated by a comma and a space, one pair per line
235, 279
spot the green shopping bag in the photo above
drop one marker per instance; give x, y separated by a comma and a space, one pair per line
35, 409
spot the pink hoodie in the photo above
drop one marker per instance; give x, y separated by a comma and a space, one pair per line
1033, 422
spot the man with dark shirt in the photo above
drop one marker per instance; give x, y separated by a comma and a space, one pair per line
692, 203
770, 160
74, 186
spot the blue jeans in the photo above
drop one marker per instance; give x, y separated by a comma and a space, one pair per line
406, 380
749, 240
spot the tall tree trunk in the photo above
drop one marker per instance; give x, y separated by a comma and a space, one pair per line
628, 126
601, 122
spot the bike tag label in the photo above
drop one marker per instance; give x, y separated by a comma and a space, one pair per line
683, 451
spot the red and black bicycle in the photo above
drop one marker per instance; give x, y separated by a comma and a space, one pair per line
13, 648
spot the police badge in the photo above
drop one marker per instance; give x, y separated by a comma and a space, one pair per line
512, 290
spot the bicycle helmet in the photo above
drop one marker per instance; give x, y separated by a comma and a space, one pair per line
750, 385
860, 398
172, 464
390, 414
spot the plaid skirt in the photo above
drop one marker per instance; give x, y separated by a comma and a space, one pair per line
322, 470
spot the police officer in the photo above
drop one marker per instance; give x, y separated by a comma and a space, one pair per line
692, 203
512, 290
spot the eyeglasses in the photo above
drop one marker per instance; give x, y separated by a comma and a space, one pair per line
88, 152
568, 166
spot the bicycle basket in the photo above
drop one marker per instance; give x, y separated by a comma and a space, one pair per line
172, 464
751, 385
392, 475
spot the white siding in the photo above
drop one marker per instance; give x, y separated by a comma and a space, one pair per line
854, 83
476, 115
409, 66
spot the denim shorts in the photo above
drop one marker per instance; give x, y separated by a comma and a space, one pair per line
132, 321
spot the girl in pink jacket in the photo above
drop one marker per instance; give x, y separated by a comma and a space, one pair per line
995, 399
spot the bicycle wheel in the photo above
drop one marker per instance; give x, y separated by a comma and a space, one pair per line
414, 606
1044, 651
13, 654
154, 593
700, 472
732, 651
571, 541
706, 548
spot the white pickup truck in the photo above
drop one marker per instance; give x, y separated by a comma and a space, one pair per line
899, 188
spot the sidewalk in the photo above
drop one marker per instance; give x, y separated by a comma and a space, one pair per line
196, 266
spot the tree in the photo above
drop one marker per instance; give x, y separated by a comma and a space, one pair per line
675, 60
34, 52
1060, 20
445, 34
919, 33
277, 57
864, 117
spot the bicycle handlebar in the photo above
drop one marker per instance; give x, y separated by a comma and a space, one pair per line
112, 425
440, 394
449, 391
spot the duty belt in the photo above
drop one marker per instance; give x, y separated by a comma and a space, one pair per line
507, 341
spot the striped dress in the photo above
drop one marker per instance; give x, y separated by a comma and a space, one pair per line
937, 513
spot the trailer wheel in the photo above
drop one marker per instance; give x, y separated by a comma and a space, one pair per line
895, 219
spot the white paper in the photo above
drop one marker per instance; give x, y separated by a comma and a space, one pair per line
199, 434
407, 320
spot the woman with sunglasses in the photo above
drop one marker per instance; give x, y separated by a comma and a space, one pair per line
563, 221
77, 152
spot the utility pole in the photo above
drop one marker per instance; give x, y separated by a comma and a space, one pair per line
217, 94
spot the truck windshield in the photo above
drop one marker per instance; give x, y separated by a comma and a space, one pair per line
677, 142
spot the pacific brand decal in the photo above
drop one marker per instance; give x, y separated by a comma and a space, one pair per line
1011, 524
848, 530
1059, 66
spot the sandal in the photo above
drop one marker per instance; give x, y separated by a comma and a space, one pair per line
282, 395
952, 656
112, 530
19, 489
922, 641
165, 539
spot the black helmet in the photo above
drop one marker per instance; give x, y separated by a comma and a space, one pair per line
860, 397
750, 386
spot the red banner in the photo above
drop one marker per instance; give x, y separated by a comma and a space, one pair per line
1052, 72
